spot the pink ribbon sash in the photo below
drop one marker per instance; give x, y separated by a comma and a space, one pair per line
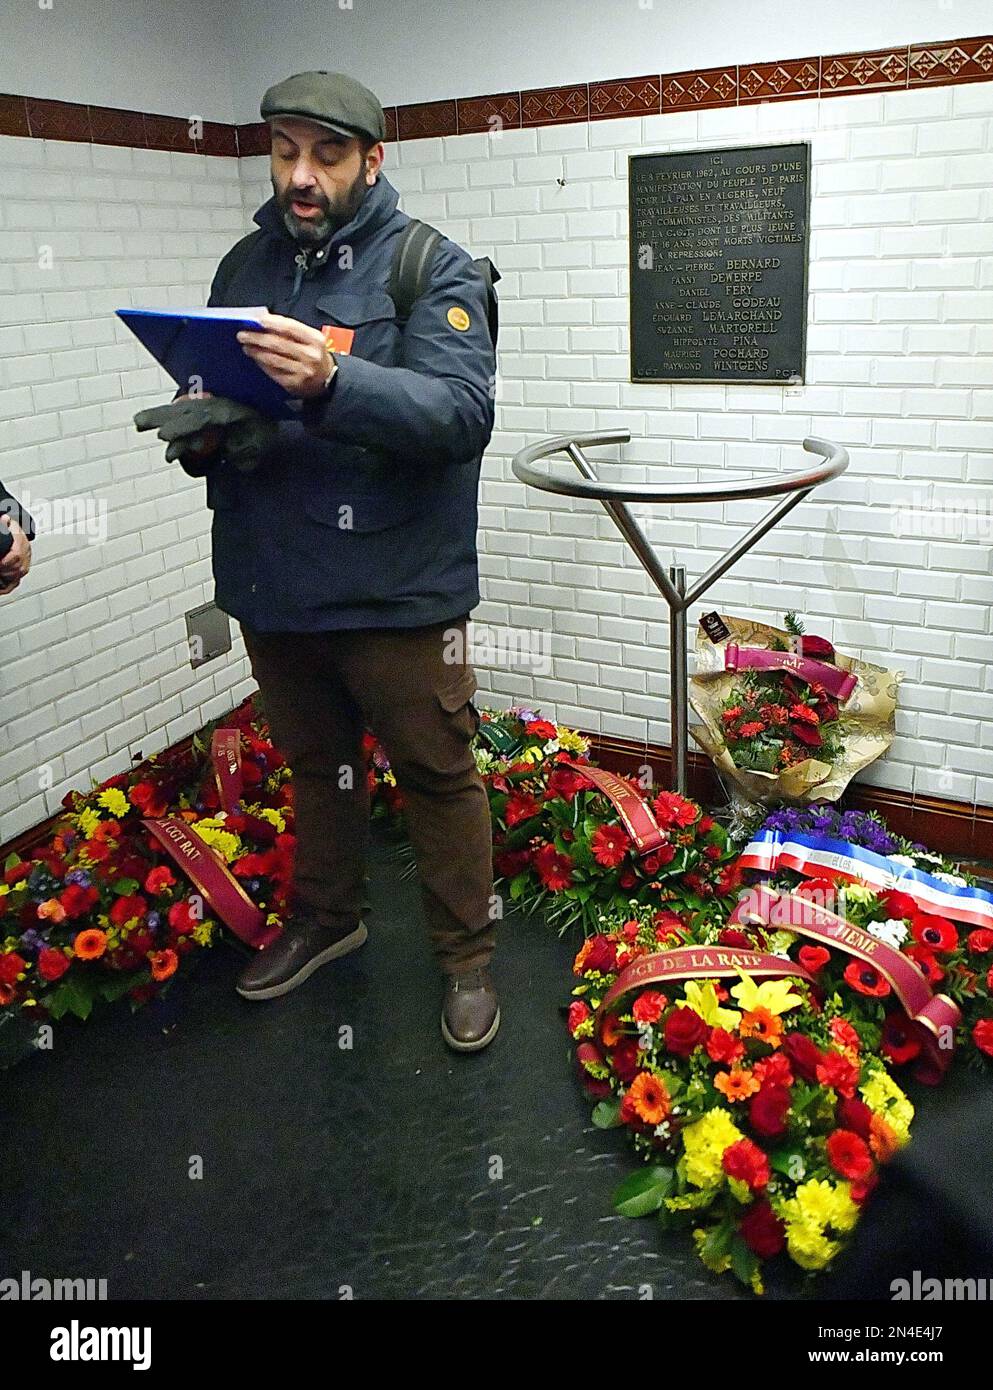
633, 809
225, 754
836, 682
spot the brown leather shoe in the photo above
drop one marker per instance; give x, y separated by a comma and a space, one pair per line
470, 1015
301, 948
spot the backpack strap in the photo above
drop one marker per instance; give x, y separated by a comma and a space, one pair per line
411, 269
232, 262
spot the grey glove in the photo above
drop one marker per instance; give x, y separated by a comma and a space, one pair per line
193, 426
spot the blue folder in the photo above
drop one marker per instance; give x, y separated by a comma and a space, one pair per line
201, 343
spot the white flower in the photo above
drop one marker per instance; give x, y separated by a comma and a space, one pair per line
903, 859
931, 858
953, 879
552, 746
892, 931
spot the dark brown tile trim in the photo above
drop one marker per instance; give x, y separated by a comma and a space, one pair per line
941, 64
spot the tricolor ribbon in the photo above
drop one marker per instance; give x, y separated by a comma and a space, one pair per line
207, 872
836, 682
225, 755
633, 809
936, 1014
818, 856
696, 962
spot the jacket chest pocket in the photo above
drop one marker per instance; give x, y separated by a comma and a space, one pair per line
373, 317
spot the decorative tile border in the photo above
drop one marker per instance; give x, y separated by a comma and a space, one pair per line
840, 74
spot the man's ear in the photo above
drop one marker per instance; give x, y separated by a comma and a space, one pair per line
374, 161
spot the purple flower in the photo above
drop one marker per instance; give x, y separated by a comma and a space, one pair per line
31, 940
79, 876
154, 921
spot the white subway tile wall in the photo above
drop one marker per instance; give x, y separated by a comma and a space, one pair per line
893, 561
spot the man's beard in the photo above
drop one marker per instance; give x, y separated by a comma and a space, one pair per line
318, 230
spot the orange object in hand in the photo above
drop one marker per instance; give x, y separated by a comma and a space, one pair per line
338, 339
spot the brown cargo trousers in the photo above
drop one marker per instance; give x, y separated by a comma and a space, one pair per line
413, 687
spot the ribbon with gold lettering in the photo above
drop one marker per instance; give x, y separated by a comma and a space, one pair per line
836, 682
225, 755
697, 962
937, 1015
633, 810
213, 878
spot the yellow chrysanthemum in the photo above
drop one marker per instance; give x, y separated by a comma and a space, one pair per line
808, 1246
202, 932
704, 1143
883, 1096
774, 995
821, 1203
273, 816
88, 821
701, 995
114, 801
226, 844
570, 740
389, 779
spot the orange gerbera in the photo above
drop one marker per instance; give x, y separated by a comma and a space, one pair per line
612, 1031
762, 1024
649, 1098
90, 944
882, 1139
163, 963
736, 1084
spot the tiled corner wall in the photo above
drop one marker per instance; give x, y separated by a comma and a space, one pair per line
900, 369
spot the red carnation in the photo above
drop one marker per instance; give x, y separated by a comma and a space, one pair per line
775, 1070
898, 904
77, 900
937, 934
762, 1230
982, 1036
52, 964
803, 1053
838, 1072
748, 1163
11, 965
609, 844
724, 1047
127, 906
814, 958
648, 1007
578, 1013
849, 1155
980, 941
768, 1109
684, 1031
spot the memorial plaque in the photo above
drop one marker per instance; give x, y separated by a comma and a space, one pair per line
719, 242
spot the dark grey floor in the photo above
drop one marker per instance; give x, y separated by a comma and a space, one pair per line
396, 1169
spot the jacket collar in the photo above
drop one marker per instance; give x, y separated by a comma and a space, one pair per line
375, 210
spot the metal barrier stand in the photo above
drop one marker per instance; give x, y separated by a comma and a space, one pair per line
792, 488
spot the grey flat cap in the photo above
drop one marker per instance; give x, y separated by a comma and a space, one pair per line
332, 99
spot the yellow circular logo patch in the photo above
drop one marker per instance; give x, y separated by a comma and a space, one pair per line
458, 318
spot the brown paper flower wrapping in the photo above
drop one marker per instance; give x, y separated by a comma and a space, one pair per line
866, 720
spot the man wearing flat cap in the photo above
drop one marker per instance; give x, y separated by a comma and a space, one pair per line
344, 539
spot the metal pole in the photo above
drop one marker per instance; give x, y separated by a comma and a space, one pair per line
679, 715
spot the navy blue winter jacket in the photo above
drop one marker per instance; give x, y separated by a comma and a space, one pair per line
364, 513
